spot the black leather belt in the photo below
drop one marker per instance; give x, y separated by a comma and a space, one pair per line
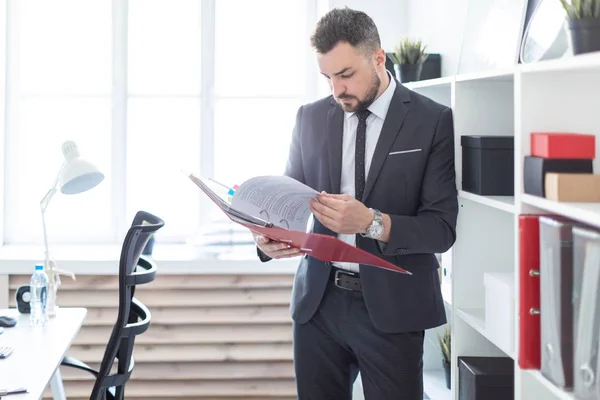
346, 279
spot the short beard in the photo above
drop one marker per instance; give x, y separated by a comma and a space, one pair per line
369, 97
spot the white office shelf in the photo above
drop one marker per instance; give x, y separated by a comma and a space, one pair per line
581, 63
554, 391
504, 203
430, 83
434, 384
498, 75
475, 317
514, 102
588, 213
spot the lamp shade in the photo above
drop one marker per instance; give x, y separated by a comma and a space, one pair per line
77, 175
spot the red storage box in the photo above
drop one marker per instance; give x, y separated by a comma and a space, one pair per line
563, 145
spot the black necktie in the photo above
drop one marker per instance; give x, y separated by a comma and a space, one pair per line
359, 154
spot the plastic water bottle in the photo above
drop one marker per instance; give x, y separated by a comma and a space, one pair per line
39, 294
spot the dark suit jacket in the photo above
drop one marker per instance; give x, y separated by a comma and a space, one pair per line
417, 189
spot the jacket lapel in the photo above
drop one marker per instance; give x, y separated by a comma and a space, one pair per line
335, 130
391, 127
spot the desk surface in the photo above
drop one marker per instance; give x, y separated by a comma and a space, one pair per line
37, 352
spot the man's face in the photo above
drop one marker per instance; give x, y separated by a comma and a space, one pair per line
351, 75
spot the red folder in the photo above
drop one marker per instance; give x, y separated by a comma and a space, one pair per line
320, 246
529, 292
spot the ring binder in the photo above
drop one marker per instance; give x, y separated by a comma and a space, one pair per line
588, 323
322, 247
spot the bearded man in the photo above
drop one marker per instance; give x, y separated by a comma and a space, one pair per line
382, 157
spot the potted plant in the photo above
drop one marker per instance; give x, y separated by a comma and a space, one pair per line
583, 18
408, 59
444, 342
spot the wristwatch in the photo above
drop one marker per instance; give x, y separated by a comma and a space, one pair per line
375, 230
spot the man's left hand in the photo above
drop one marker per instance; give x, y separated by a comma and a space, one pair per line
341, 213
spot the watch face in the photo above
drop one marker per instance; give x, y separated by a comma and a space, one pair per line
376, 230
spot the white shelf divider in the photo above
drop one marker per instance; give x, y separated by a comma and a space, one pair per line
504, 203
588, 213
475, 317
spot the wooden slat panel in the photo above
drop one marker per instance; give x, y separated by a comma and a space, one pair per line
211, 337
200, 315
193, 334
164, 298
199, 352
273, 389
110, 282
169, 371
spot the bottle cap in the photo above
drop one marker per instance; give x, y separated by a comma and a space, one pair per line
39, 267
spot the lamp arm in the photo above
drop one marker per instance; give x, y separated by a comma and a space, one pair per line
43, 205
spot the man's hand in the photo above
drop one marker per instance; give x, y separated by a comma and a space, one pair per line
341, 213
273, 249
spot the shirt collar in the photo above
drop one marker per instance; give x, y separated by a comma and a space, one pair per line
381, 105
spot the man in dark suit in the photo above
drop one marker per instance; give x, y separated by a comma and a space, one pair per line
383, 158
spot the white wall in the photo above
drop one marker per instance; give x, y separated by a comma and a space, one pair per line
440, 24
390, 16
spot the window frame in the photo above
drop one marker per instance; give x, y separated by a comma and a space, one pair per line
120, 98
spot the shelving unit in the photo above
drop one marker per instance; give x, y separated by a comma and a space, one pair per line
552, 96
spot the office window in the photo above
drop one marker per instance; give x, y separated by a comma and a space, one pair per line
59, 88
164, 112
261, 78
147, 88
2, 98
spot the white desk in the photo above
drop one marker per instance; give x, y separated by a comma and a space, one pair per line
38, 352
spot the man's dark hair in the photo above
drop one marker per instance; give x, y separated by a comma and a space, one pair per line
345, 25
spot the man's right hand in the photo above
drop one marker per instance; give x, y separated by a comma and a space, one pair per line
275, 250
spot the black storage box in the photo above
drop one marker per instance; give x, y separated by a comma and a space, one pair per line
485, 378
431, 69
488, 165
535, 169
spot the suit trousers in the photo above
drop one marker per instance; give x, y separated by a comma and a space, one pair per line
340, 340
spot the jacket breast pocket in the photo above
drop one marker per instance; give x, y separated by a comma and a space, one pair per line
402, 152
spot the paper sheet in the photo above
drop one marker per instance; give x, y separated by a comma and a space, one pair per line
280, 200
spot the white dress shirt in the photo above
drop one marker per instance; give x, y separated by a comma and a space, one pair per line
379, 110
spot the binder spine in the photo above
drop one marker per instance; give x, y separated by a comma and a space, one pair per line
556, 317
588, 325
529, 292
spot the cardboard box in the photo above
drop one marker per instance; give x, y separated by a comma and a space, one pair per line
571, 187
489, 378
563, 145
488, 165
536, 168
499, 307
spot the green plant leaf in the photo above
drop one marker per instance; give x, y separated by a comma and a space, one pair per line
577, 9
410, 52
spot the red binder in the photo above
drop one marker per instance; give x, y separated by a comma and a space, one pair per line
319, 246
529, 292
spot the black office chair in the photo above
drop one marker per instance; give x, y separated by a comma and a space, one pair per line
133, 316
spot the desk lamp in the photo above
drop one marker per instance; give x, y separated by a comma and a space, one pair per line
75, 176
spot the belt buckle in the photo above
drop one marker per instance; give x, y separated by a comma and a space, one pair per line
337, 278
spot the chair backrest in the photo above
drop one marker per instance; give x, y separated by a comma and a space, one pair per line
133, 317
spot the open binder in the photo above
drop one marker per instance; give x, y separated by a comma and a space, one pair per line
322, 247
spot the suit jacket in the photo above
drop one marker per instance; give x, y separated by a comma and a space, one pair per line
416, 188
